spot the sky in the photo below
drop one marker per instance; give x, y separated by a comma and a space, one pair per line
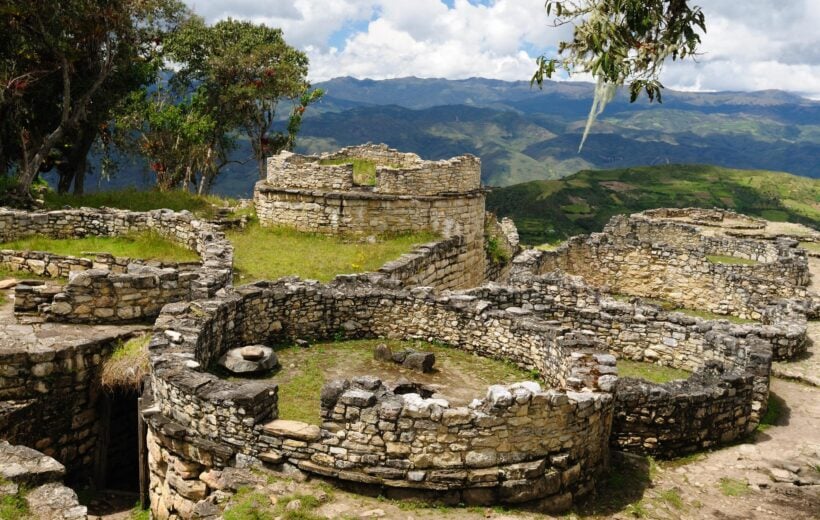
749, 44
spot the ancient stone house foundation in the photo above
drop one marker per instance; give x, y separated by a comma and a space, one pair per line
569, 314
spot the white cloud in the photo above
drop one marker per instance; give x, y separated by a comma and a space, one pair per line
750, 44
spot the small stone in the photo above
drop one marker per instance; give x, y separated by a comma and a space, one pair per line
253, 353
8, 283
302, 343
420, 361
236, 361
382, 353
373, 513
294, 505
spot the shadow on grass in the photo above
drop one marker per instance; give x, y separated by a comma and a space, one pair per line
621, 488
778, 413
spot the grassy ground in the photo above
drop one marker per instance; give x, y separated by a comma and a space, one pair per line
550, 210
674, 307
650, 371
137, 200
262, 253
730, 260
148, 246
364, 171
305, 371
811, 246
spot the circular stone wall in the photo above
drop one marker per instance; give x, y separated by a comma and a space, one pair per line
107, 289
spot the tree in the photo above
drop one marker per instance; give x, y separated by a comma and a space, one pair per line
63, 66
621, 42
251, 69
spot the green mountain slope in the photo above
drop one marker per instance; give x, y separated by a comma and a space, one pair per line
546, 211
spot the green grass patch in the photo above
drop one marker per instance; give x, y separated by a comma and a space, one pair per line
706, 315
138, 513
671, 497
364, 170
732, 487
21, 275
650, 371
248, 504
305, 371
670, 306
495, 251
268, 253
147, 245
13, 506
730, 260
137, 200
811, 246
127, 365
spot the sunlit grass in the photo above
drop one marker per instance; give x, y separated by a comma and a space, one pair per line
650, 371
148, 246
263, 253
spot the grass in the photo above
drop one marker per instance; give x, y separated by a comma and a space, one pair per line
811, 246
262, 253
127, 365
650, 371
364, 170
672, 497
8, 273
670, 306
732, 487
248, 504
148, 246
137, 200
138, 513
495, 252
774, 411
13, 507
730, 260
305, 371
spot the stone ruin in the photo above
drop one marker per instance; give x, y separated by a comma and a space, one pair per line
409, 195
560, 313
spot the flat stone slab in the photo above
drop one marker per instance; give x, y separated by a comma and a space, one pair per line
8, 283
250, 359
20, 464
293, 430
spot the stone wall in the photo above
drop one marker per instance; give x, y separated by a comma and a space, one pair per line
707, 217
526, 444
410, 196
397, 173
49, 397
676, 418
668, 260
114, 290
36, 478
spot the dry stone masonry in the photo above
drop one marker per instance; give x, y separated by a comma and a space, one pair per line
409, 195
542, 443
104, 289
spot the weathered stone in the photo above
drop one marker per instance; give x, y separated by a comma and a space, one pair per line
236, 359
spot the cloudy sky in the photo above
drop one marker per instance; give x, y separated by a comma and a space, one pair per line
750, 44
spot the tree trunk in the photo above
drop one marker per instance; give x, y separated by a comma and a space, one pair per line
75, 164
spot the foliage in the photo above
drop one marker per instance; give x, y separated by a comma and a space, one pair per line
249, 68
127, 365
60, 75
496, 253
268, 253
536, 206
621, 42
650, 371
179, 138
147, 245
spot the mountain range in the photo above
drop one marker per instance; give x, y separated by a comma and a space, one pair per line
524, 134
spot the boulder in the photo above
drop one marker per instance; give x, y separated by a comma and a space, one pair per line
420, 361
248, 360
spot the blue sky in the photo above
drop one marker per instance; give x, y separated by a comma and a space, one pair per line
750, 44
